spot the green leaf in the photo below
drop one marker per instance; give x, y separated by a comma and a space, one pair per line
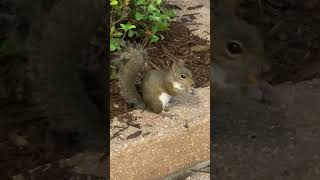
121, 42
170, 13
112, 30
140, 2
118, 34
9, 46
113, 45
157, 12
143, 8
163, 26
127, 26
138, 16
149, 18
116, 44
155, 29
151, 8
154, 38
164, 17
158, 2
130, 33
114, 2
154, 18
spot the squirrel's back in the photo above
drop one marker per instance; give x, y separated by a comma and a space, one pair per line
132, 63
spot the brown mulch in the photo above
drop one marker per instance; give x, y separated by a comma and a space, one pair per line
291, 31
177, 45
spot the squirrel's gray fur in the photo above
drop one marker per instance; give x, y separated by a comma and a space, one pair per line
132, 62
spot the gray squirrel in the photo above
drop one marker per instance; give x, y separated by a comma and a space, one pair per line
238, 52
157, 86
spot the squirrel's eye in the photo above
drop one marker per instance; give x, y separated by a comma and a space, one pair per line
183, 76
234, 48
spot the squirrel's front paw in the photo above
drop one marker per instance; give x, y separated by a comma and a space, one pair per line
166, 109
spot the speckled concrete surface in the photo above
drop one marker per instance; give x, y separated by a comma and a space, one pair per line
156, 146
196, 15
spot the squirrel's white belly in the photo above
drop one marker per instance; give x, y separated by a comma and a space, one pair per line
164, 98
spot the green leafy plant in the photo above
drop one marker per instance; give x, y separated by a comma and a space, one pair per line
8, 46
139, 20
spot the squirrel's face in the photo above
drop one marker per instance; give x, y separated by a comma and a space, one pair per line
183, 80
238, 50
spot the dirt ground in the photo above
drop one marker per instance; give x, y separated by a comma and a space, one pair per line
177, 45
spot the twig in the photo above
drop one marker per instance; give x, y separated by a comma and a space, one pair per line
169, 55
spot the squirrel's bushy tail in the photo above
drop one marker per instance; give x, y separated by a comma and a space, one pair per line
132, 61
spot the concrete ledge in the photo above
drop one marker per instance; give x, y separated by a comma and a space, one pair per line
148, 146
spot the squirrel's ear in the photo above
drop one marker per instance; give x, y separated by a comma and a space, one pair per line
174, 66
180, 62
177, 64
